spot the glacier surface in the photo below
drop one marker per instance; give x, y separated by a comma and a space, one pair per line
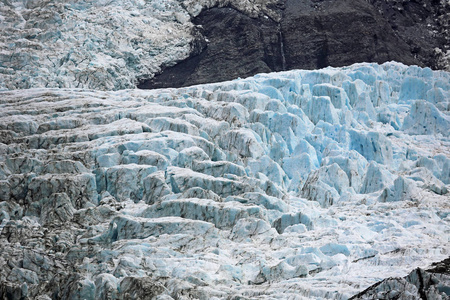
106, 45
299, 185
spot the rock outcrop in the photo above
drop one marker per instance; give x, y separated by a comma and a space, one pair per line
419, 284
313, 35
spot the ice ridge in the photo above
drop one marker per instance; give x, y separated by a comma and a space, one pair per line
299, 184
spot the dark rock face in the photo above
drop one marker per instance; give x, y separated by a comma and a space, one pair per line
423, 25
311, 34
433, 283
338, 33
442, 267
238, 46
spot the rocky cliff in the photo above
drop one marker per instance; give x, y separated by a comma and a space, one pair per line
314, 34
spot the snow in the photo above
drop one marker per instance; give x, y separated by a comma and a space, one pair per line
301, 184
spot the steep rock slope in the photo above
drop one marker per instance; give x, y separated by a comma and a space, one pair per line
314, 34
235, 45
318, 34
301, 184
423, 25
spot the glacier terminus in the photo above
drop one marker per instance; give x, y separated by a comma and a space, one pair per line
290, 185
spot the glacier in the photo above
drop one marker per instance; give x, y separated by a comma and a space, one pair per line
298, 184
105, 45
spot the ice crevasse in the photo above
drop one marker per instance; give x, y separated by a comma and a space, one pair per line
313, 184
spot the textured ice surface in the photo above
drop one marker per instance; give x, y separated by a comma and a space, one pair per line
104, 45
301, 184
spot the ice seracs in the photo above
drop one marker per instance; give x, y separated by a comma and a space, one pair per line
307, 184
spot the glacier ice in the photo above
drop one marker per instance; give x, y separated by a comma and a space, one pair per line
424, 117
301, 184
105, 45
